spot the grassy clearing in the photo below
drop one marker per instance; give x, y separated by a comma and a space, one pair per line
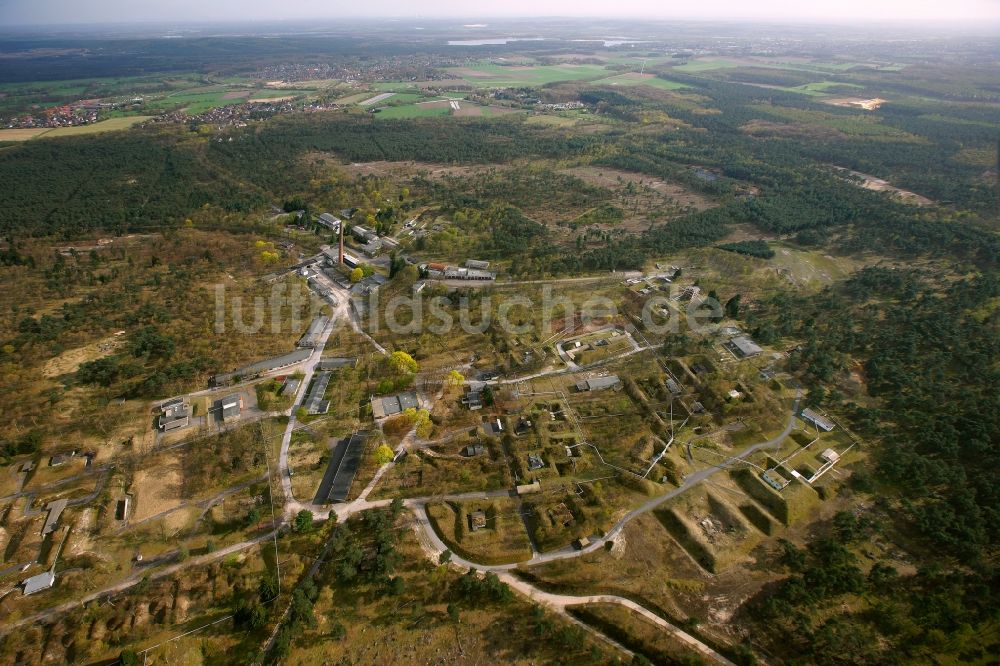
22, 134
705, 65
412, 111
633, 631
354, 98
110, 125
635, 79
279, 93
502, 540
491, 76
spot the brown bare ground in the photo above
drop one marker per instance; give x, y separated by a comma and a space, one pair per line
437, 104
157, 487
283, 98
236, 94
408, 169
604, 177
468, 110
71, 359
21, 134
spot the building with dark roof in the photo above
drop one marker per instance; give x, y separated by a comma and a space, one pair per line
175, 414
329, 221
313, 333
231, 407
315, 404
335, 363
260, 367
394, 404
342, 468
473, 450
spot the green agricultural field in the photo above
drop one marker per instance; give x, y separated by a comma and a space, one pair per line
635, 79
354, 99
708, 64
822, 87
276, 93
413, 111
393, 86
196, 102
495, 76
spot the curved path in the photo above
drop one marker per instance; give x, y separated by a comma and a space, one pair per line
430, 542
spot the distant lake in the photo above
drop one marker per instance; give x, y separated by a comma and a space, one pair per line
491, 42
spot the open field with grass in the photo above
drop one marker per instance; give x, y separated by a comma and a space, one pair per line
501, 540
636, 79
22, 134
109, 125
496, 76
413, 111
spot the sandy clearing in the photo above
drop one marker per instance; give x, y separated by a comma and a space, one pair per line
71, 359
236, 94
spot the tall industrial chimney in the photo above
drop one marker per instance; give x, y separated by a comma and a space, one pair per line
341, 242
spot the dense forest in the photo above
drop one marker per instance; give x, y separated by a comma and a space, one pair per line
927, 349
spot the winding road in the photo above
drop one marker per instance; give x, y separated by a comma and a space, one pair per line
429, 540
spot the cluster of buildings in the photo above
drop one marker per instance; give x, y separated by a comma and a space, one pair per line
471, 271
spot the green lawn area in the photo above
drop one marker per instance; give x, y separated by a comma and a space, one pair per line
493, 76
412, 111
634, 79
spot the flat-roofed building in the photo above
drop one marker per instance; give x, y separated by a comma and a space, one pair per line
817, 420
313, 333
42, 581
394, 404
175, 414
230, 407
329, 221
743, 347
315, 404
598, 383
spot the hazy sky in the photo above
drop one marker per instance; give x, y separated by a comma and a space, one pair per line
14, 12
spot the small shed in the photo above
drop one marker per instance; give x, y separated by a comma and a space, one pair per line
477, 520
